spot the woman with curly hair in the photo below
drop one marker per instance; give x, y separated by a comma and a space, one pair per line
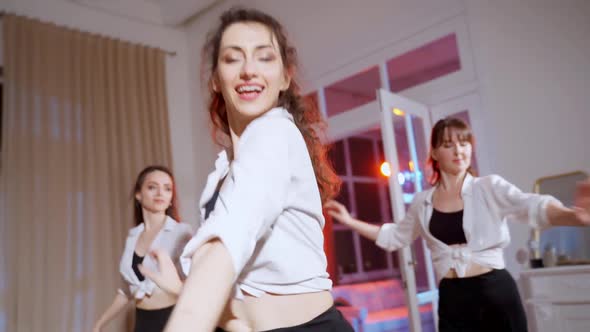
257, 262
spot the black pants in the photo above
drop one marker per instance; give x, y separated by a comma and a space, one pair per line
329, 321
151, 320
488, 302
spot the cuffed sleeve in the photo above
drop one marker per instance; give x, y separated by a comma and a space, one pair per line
393, 236
526, 208
253, 194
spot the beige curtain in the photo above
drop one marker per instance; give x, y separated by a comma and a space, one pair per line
82, 115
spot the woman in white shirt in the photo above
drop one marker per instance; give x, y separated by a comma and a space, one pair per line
257, 262
157, 227
463, 220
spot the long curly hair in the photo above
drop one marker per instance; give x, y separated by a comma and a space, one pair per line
305, 113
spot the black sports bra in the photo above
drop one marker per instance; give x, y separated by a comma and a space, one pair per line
134, 263
447, 227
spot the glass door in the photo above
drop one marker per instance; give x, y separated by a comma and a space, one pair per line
390, 131
405, 128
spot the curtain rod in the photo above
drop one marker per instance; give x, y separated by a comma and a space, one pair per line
169, 53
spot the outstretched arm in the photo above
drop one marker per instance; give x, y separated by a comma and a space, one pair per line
340, 213
389, 236
205, 291
578, 215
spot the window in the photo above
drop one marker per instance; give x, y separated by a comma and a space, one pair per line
352, 91
433, 60
364, 191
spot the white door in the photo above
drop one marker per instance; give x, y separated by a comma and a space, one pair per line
405, 126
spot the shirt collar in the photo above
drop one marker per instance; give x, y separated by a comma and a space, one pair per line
168, 226
222, 161
465, 189
278, 111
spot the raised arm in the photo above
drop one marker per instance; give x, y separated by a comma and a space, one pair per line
389, 236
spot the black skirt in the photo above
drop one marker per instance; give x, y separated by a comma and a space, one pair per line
151, 320
488, 302
329, 321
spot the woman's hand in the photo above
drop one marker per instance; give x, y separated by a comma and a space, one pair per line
166, 278
338, 212
582, 203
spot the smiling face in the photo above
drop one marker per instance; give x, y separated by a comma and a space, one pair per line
156, 192
250, 72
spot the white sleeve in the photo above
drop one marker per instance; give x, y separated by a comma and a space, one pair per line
512, 203
253, 193
393, 236
186, 233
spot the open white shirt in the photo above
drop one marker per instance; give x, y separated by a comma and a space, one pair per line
487, 203
268, 213
171, 238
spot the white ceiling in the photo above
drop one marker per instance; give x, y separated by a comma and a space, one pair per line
176, 12
165, 12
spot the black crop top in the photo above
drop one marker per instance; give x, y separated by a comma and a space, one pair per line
134, 263
210, 205
447, 227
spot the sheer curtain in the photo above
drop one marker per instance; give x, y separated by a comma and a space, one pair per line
82, 115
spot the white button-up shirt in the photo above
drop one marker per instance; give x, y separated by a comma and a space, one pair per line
171, 238
268, 213
487, 203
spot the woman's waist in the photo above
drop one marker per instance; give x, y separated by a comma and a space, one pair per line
271, 311
157, 300
464, 255
472, 270
463, 261
285, 277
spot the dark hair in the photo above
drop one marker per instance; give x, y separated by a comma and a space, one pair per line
437, 138
171, 211
306, 115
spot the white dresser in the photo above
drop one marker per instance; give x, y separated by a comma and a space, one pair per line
557, 299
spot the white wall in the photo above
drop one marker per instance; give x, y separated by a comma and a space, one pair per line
76, 16
531, 57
